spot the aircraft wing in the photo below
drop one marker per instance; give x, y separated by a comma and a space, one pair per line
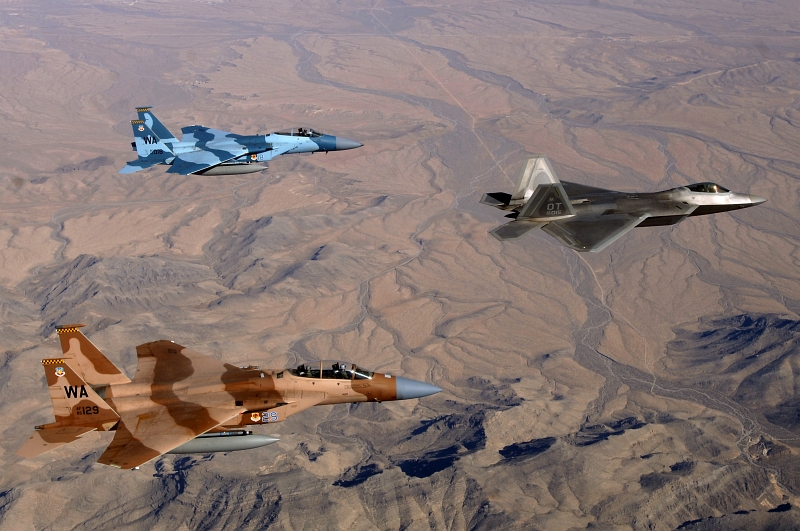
152, 430
152, 425
166, 362
592, 234
51, 438
195, 161
198, 133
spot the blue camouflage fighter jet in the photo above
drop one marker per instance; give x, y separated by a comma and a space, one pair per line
206, 151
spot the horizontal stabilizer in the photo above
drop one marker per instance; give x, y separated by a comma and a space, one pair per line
514, 229
51, 438
138, 165
496, 199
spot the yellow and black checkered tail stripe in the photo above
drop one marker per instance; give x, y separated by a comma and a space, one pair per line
134, 122
55, 361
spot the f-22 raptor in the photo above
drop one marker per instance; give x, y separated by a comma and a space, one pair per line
590, 219
182, 402
206, 151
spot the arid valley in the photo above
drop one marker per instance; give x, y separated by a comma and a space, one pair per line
652, 385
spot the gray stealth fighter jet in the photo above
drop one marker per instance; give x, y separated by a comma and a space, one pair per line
586, 218
207, 151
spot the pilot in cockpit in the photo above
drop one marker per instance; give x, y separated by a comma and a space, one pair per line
339, 371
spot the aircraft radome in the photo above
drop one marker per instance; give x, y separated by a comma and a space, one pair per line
586, 218
180, 401
207, 151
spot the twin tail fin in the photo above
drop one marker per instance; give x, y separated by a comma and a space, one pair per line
75, 402
86, 359
155, 125
538, 199
151, 141
77, 408
148, 145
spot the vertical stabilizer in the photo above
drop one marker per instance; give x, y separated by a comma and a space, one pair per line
549, 202
90, 364
155, 125
536, 170
75, 403
538, 199
540, 193
148, 145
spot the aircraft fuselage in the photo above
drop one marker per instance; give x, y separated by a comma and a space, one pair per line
662, 208
267, 396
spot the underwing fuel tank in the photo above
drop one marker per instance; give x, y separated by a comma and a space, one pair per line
228, 441
233, 169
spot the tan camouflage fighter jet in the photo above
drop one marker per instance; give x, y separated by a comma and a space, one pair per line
180, 401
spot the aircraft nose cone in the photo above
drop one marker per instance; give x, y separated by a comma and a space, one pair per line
407, 388
757, 200
346, 143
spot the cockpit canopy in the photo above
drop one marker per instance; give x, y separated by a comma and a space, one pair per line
707, 188
332, 370
301, 131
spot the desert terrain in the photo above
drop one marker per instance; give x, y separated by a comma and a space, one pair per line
653, 385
